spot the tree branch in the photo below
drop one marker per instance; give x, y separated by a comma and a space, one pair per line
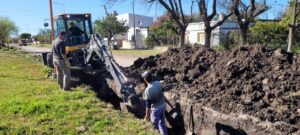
191, 19
235, 9
222, 21
173, 13
172, 5
214, 10
264, 9
203, 11
181, 11
252, 8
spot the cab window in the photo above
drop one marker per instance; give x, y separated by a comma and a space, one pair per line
59, 27
77, 31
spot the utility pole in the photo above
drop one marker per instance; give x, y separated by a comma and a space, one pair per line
292, 27
134, 37
51, 20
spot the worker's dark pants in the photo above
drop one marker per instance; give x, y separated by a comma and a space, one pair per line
158, 119
63, 74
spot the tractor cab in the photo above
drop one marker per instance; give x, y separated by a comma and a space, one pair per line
78, 27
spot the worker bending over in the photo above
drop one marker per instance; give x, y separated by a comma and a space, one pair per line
155, 103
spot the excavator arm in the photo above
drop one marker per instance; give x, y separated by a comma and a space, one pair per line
123, 88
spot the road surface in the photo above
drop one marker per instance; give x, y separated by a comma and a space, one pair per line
32, 49
124, 60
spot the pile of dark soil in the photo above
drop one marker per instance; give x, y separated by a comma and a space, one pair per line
177, 65
255, 80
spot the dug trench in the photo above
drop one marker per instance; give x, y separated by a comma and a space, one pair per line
102, 84
248, 90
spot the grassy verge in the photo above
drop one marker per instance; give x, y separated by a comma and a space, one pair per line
31, 104
137, 52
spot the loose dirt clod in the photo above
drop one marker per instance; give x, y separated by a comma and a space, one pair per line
255, 80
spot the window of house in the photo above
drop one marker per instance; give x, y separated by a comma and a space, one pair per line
201, 38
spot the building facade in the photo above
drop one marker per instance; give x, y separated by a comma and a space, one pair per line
138, 23
195, 32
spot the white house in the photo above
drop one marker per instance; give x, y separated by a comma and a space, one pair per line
195, 32
142, 24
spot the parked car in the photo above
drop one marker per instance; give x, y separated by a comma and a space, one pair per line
24, 42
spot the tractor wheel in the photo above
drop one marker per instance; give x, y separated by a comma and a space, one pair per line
50, 60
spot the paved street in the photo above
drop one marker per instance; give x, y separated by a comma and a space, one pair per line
32, 49
123, 60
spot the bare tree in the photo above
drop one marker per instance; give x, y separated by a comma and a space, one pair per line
293, 26
245, 14
175, 9
208, 18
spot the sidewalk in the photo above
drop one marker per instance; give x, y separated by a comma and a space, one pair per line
32, 49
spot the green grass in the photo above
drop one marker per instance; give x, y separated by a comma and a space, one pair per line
32, 104
137, 52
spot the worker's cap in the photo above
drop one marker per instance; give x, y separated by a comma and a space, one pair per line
62, 33
146, 74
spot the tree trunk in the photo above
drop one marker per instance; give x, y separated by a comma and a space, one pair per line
291, 39
181, 38
292, 28
1, 43
243, 34
208, 37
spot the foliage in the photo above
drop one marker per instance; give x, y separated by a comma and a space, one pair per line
180, 19
7, 28
163, 28
287, 18
233, 38
274, 34
47, 70
25, 36
222, 48
109, 26
151, 41
268, 33
44, 36
246, 12
32, 104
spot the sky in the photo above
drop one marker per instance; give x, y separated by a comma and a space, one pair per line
30, 15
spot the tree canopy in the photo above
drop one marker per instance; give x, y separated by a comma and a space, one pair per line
162, 31
25, 35
176, 11
163, 26
109, 26
287, 18
44, 35
7, 28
